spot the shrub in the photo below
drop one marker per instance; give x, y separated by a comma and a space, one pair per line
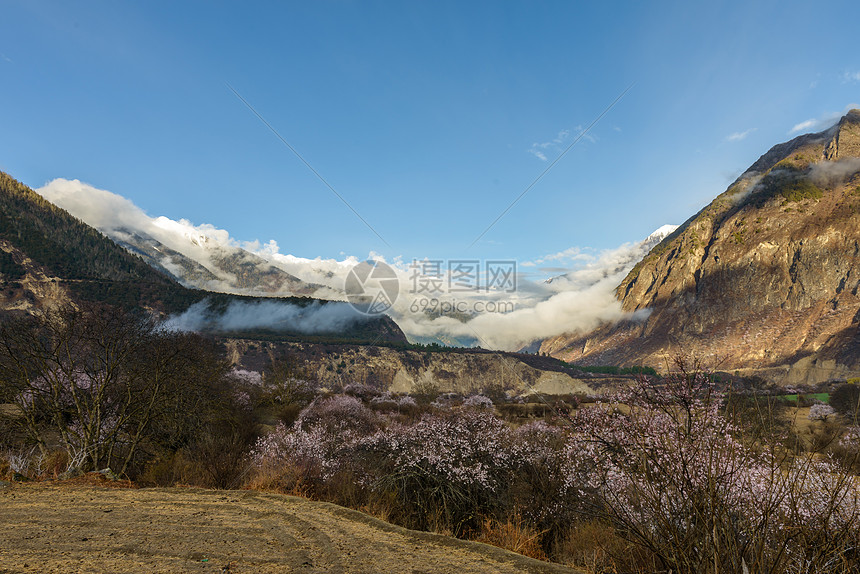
288, 457
595, 546
384, 402
478, 402
540, 487
847, 450
107, 386
219, 456
761, 416
846, 400
362, 392
664, 473
406, 402
425, 392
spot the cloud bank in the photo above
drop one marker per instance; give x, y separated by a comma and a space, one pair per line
575, 294
575, 302
834, 173
311, 319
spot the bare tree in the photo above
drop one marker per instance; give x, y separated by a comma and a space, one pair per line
99, 381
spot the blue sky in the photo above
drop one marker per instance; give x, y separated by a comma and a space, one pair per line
429, 118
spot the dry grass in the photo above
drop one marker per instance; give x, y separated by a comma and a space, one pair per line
514, 534
10, 410
596, 548
280, 480
96, 479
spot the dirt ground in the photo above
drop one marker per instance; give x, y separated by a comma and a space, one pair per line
47, 527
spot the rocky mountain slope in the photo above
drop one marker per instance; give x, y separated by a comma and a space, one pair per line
216, 267
764, 280
403, 369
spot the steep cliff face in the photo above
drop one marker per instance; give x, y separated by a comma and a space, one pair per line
764, 279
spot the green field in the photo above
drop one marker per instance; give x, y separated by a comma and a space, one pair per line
823, 397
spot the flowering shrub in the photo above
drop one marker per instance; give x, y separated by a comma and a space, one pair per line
821, 412
851, 439
406, 402
384, 401
318, 445
313, 455
540, 487
245, 377
675, 476
445, 401
340, 413
448, 468
659, 461
361, 391
478, 402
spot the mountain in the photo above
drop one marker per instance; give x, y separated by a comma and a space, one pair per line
220, 268
764, 280
48, 257
202, 257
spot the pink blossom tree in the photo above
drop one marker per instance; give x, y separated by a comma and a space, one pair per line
672, 474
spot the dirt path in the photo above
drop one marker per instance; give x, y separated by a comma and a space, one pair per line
46, 528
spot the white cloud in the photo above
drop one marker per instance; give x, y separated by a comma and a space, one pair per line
580, 131
851, 77
738, 136
120, 219
314, 318
575, 302
537, 153
833, 173
825, 121
570, 254
538, 149
802, 126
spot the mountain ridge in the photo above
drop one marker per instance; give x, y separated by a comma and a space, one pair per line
764, 279
199, 257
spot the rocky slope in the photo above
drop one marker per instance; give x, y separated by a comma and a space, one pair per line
764, 280
205, 264
403, 370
